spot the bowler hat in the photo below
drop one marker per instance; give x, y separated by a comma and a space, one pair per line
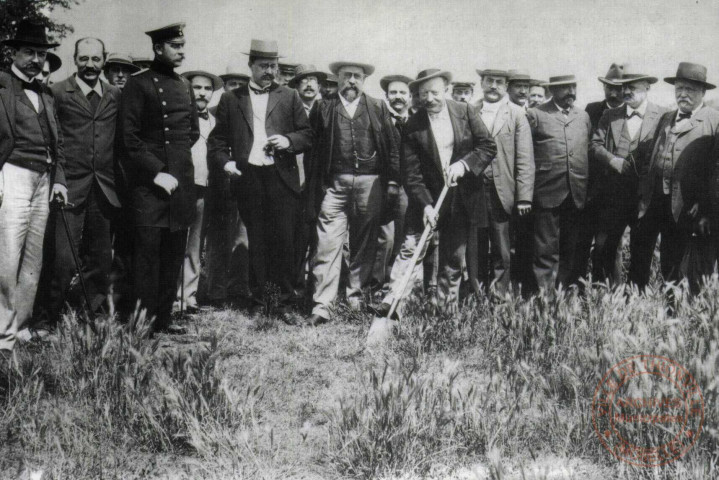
307, 70
561, 80
494, 72
31, 34
263, 48
122, 60
429, 74
54, 61
169, 32
692, 72
335, 67
217, 82
613, 74
385, 81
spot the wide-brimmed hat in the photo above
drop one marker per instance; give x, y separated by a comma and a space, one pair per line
306, 70
385, 81
54, 61
615, 72
30, 33
122, 60
263, 48
217, 82
335, 67
169, 32
560, 80
429, 74
629, 77
519, 75
692, 72
492, 72
331, 78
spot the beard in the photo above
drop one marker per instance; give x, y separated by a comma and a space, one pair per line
350, 93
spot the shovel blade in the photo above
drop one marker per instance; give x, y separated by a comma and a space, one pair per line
380, 332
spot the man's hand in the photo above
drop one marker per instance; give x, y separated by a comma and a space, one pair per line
231, 169
455, 172
693, 211
430, 216
704, 226
166, 182
59, 193
392, 194
524, 208
619, 165
280, 142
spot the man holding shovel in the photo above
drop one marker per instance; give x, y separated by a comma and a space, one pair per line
444, 144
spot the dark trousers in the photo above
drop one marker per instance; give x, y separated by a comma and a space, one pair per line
556, 234
270, 210
158, 258
657, 220
121, 279
588, 228
494, 256
615, 215
91, 234
522, 239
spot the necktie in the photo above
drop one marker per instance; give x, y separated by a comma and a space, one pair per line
634, 114
261, 91
565, 112
204, 115
683, 116
94, 99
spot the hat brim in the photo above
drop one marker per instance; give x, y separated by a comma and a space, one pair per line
321, 77
642, 78
443, 74
558, 84
12, 43
54, 61
707, 85
230, 76
130, 65
262, 54
217, 82
384, 82
335, 67
614, 82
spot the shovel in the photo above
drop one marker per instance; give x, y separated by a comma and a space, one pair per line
381, 329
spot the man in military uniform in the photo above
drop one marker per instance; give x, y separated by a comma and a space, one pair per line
286, 73
160, 125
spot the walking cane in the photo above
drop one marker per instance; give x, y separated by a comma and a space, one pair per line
75, 257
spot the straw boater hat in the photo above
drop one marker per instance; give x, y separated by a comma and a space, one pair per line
429, 74
335, 67
303, 71
492, 72
561, 80
613, 74
54, 61
122, 60
516, 75
217, 82
31, 34
385, 81
263, 48
692, 72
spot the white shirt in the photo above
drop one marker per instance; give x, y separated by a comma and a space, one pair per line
199, 151
86, 89
489, 112
259, 116
443, 134
351, 107
634, 124
33, 96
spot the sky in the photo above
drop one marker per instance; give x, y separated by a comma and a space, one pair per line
546, 37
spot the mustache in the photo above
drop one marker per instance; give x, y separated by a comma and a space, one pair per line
351, 87
268, 76
309, 89
569, 95
398, 100
91, 70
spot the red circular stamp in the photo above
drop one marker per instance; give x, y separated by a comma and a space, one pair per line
648, 411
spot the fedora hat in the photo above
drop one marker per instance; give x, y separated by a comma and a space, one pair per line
692, 72
306, 70
263, 48
560, 80
335, 67
54, 61
217, 82
31, 34
429, 74
615, 72
495, 72
385, 81
122, 60
629, 77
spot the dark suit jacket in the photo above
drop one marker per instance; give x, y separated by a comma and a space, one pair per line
513, 168
422, 166
232, 137
8, 97
88, 139
604, 146
322, 118
696, 151
561, 151
595, 110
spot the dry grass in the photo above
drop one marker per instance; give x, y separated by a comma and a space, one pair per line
501, 391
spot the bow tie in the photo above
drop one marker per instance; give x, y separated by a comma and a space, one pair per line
33, 85
634, 114
261, 91
565, 112
204, 115
683, 116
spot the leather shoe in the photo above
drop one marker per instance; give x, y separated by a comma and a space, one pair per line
315, 320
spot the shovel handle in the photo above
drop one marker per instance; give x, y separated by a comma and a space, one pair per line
428, 229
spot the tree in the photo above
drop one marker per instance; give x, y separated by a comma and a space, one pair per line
12, 11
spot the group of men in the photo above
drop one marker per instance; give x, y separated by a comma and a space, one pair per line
299, 184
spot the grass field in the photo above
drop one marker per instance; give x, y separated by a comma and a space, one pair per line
501, 391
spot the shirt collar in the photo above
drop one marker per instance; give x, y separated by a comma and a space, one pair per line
494, 107
692, 113
347, 103
442, 115
20, 75
86, 89
560, 108
641, 109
